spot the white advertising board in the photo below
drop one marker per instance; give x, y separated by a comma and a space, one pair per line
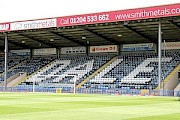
72, 50
44, 51
35, 24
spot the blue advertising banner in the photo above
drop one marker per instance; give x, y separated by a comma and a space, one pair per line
138, 47
24, 52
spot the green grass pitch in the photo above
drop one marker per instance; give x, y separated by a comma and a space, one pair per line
52, 106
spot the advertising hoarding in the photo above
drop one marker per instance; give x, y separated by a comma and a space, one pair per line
103, 49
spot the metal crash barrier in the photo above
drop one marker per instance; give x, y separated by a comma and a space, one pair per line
129, 92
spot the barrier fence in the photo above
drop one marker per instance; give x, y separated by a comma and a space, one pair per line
128, 92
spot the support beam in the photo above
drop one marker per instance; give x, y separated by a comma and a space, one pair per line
2, 47
35, 39
174, 24
65, 37
17, 44
151, 39
5, 60
100, 35
159, 54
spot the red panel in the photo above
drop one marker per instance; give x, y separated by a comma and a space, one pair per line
113, 16
122, 15
4, 27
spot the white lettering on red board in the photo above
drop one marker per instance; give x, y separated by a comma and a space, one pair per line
85, 19
4, 27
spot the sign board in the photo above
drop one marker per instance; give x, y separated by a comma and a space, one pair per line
44, 51
93, 18
24, 52
4, 27
105, 48
138, 47
121, 15
171, 45
72, 50
35, 24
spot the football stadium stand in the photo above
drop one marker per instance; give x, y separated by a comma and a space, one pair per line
98, 52
126, 71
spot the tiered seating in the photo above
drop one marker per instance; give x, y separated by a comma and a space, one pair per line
98, 78
28, 65
136, 71
12, 61
128, 71
63, 70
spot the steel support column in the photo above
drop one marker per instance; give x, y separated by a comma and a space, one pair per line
5, 62
159, 54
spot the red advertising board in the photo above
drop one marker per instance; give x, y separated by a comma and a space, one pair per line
122, 15
93, 18
4, 27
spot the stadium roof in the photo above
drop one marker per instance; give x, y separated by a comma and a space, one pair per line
133, 29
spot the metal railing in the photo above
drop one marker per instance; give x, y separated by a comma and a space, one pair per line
128, 92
